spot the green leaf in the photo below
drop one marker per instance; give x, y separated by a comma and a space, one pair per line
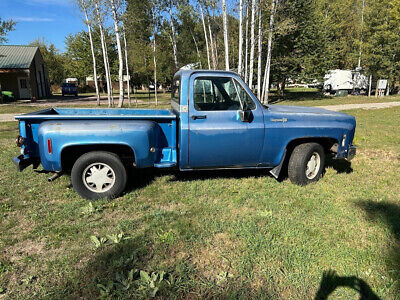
144, 276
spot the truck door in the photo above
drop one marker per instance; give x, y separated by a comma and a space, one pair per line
217, 136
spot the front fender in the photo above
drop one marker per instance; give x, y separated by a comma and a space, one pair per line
140, 136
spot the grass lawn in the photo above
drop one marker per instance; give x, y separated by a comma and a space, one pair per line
235, 234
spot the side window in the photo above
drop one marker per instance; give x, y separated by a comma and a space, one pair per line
175, 95
219, 93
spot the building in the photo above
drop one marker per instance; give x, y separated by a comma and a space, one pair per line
23, 72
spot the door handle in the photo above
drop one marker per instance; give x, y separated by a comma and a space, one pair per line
199, 117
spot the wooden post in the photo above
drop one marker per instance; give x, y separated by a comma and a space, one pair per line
377, 89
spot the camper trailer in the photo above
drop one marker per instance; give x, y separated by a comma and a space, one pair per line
345, 80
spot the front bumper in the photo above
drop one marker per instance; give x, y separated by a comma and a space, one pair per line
351, 153
22, 162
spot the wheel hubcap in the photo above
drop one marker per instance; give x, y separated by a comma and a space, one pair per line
313, 166
98, 177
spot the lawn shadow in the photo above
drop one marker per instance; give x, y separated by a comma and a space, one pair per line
388, 214
331, 281
220, 174
339, 165
106, 275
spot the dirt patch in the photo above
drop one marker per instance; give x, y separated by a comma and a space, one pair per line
216, 261
380, 154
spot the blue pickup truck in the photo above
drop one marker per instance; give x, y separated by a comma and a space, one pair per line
215, 122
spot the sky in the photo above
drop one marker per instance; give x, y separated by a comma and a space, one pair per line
52, 20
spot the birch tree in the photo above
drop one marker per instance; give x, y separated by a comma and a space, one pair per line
84, 6
225, 26
154, 52
259, 67
252, 43
205, 34
128, 85
212, 43
114, 4
173, 38
265, 93
246, 54
240, 38
105, 55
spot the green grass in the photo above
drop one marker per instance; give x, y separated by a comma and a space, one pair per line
236, 234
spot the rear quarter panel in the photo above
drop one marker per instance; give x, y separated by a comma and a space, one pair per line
140, 136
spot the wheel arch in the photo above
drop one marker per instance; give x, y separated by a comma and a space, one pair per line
70, 153
326, 142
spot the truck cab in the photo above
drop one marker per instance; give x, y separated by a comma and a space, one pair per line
215, 122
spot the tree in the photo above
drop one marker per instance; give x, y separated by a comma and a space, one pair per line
225, 26
205, 34
114, 4
265, 91
5, 27
240, 64
55, 62
84, 7
252, 42
99, 17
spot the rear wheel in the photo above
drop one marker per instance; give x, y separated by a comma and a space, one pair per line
306, 163
98, 174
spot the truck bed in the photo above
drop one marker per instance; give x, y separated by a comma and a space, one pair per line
99, 113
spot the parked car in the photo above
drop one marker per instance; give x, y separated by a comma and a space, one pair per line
69, 89
216, 122
7, 96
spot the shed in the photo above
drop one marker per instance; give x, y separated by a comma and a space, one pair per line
23, 71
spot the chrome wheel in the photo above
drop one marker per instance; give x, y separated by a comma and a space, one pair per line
313, 165
98, 177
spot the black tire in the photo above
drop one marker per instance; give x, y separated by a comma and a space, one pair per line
301, 156
99, 160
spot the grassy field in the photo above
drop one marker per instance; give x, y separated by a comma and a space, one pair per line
304, 97
235, 234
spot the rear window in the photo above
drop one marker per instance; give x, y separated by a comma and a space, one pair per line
68, 84
175, 90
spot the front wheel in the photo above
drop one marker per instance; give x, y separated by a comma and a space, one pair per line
98, 174
306, 163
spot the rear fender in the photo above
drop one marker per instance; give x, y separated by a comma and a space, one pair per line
140, 136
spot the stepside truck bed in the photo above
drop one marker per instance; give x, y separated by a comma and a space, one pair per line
151, 134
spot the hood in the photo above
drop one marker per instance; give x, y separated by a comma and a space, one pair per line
289, 109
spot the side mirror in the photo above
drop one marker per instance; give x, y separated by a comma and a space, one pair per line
246, 115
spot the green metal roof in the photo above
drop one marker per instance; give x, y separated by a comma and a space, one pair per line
16, 57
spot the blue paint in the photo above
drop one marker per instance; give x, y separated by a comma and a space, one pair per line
175, 138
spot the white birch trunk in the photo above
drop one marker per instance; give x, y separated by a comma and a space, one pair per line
128, 85
246, 55
154, 57
120, 57
225, 26
173, 36
205, 35
265, 93
92, 50
240, 38
105, 56
252, 43
361, 33
259, 70
214, 61
197, 48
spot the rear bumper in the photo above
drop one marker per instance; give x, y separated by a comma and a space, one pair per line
351, 153
21, 162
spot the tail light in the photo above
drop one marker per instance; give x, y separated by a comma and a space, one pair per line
49, 147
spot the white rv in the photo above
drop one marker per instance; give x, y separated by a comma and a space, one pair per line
348, 80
